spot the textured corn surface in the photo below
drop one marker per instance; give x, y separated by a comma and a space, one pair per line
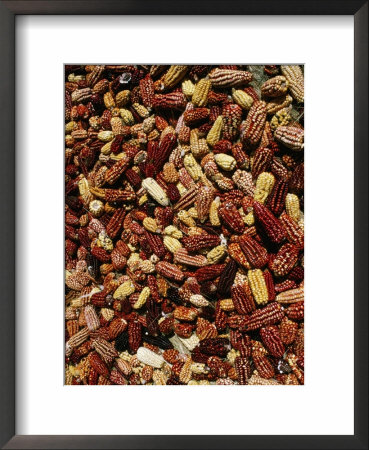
184, 225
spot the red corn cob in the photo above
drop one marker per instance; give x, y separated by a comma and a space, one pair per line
269, 315
270, 225
255, 253
272, 340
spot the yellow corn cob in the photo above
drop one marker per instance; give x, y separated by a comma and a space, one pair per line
107, 313
225, 162
109, 208
109, 101
216, 254
150, 358
188, 88
170, 173
106, 148
148, 124
184, 217
70, 126
143, 199
258, 286
159, 378
198, 368
293, 206
106, 136
171, 244
105, 242
125, 289
147, 266
213, 212
122, 98
69, 377
200, 96
173, 76
182, 190
199, 147
242, 99
193, 231
83, 186
144, 295
127, 116
226, 304
173, 231
156, 192
215, 132
125, 356
232, 355
192, 167
192, 212
280, 118
94, 122
117, 125
73, 78
278, 103
264, 186
140, 110
249, 219
295, 79
150, 224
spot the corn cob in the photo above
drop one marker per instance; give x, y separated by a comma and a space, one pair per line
169, 270
225, 162
192, 167
201, 91
155, 191
173, 76
295, 79
229, 78
216, 254
181, 256
293, 206
255, 253
291, 137
258, 286
172, 244
213, 212
188, 88
150, 358
242, 98
215, 132
253, 127
264, 186
291, 296
275, 87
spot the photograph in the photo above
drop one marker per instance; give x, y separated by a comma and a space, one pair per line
184, 224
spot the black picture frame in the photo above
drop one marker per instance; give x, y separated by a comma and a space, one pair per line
8, 12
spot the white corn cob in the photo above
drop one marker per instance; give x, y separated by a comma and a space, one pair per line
150, 358
198, 300
155, 191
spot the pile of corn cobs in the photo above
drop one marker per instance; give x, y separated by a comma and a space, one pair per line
184, 225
